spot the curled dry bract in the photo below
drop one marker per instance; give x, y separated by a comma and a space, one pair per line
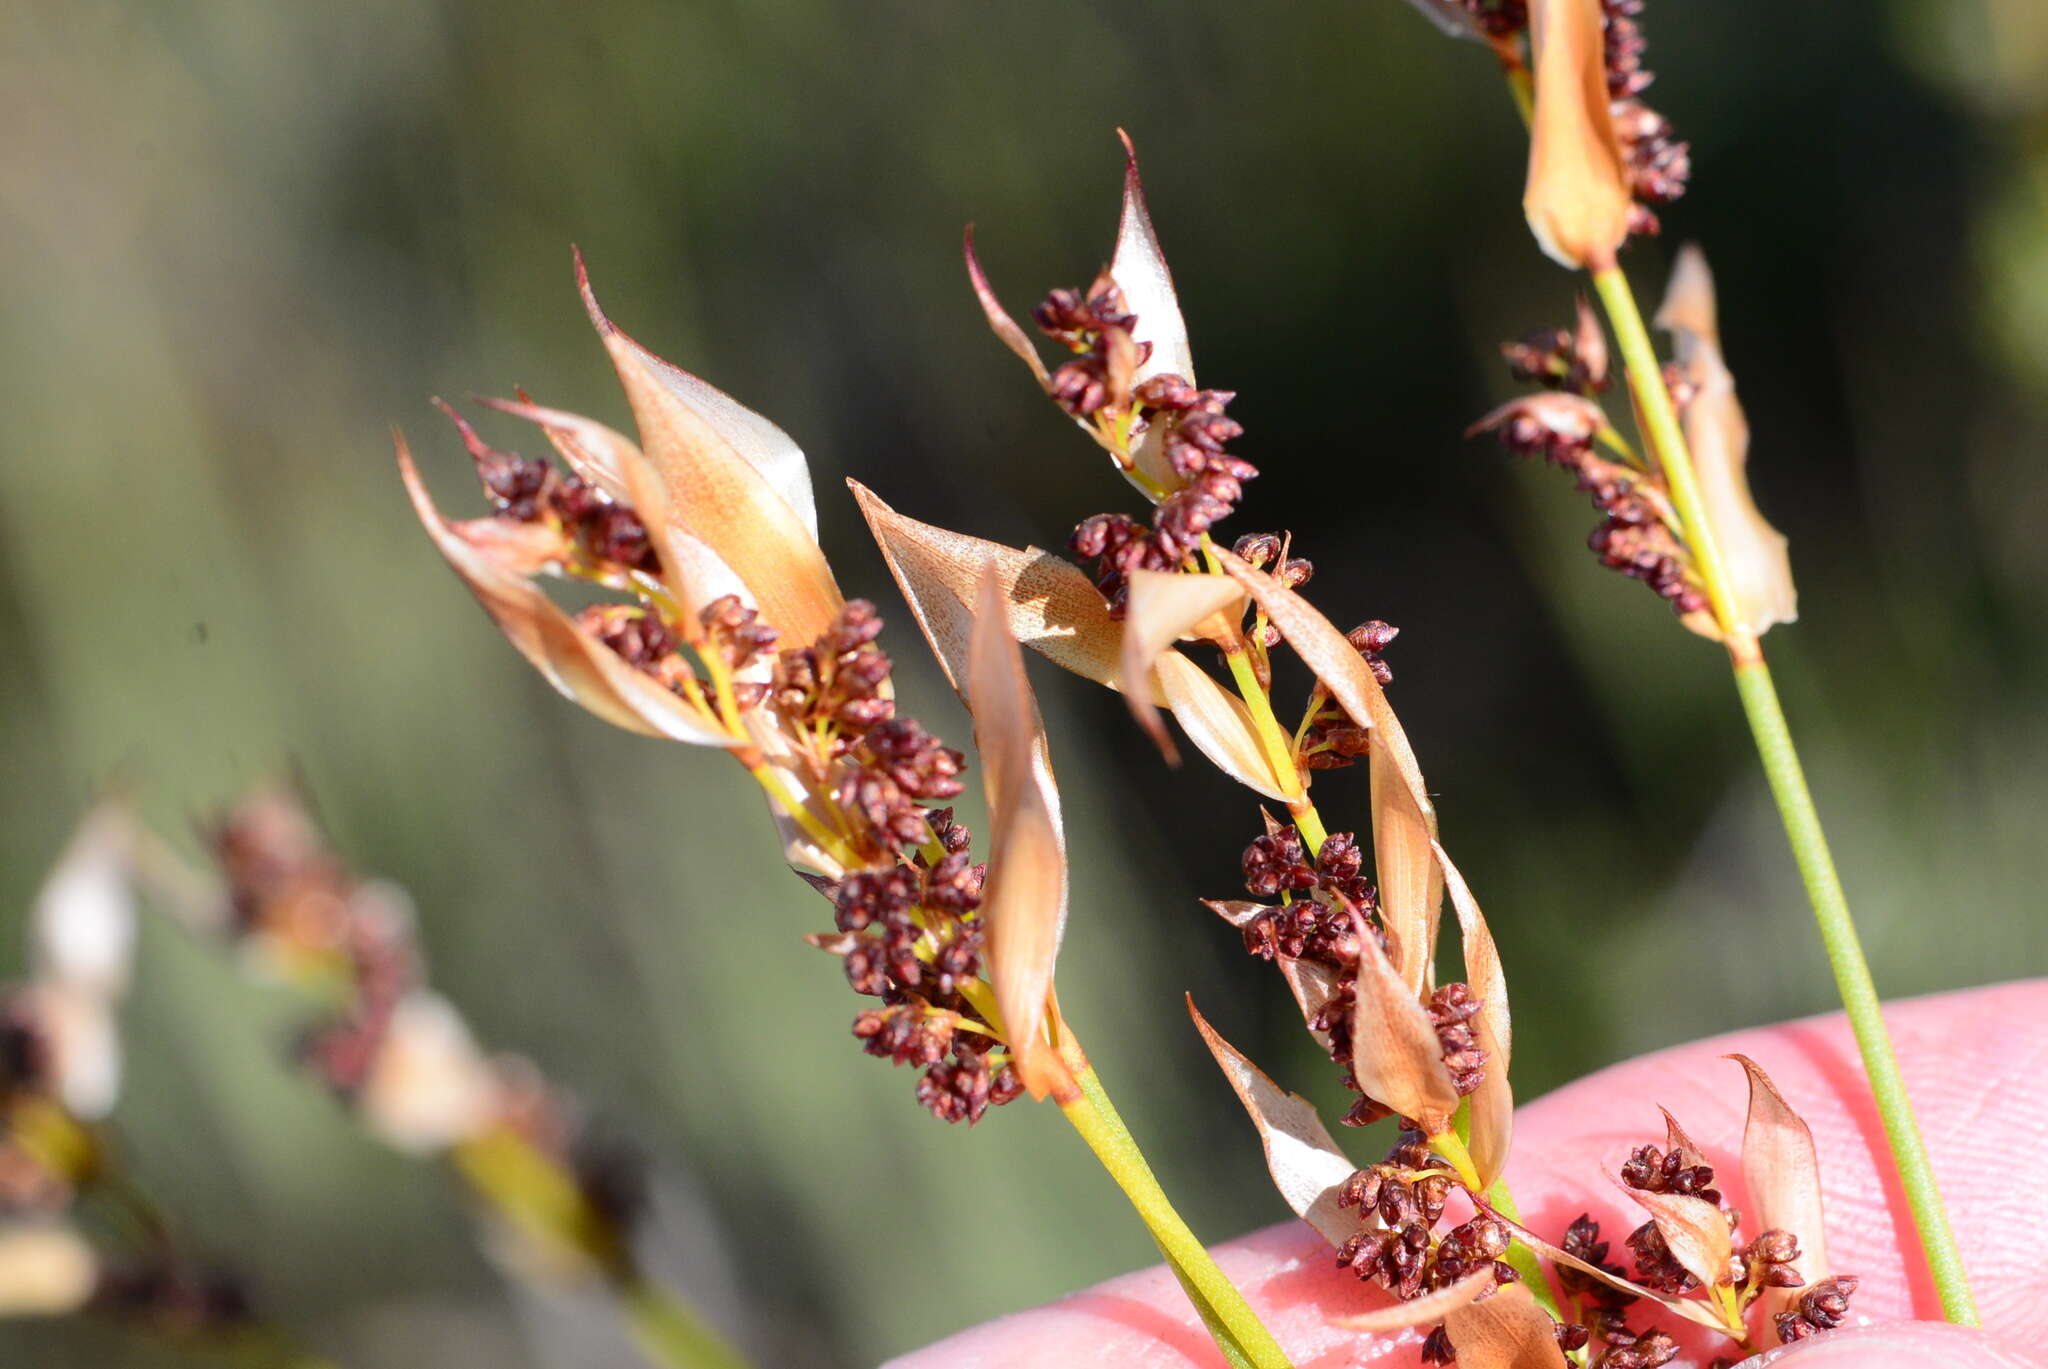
1307, 1166
1025, 904
1755, 554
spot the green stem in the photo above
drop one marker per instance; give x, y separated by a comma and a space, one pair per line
1273, 738
1520, 1257
531, 1191
1666, 438
1795, 804
1859, 993
670, 1331
1238, 1332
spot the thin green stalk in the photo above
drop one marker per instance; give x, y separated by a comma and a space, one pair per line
1859, 993
670, 1331
1795, 805
1501, 1199
1238, 1332
532, 1192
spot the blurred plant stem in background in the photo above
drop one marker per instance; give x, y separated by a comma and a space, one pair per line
530, 1191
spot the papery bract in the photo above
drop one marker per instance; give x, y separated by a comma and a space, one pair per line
1307, 1165
734, 480
1493, 1103
1395, 1054
1160, 609
1506, 1330
1024, 905
1754, 554
1052, 608
576, 664
1781, 1170
1577, 197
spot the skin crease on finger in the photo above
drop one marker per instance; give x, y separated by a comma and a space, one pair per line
1974, 1062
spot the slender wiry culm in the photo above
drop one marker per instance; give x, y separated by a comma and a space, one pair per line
1680, 517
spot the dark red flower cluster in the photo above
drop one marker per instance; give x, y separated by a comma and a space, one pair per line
1822, 1307
840, 679
1191, 428
1186, 426
1634, 536
909, 928
606, 533
1096, 326
1332, 740
1261, 550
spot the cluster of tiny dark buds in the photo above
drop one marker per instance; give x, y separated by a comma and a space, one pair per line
639, 635
1192, 429
1822, 1307
840, 682
1767, 1262
1633, 536
1572, 360
908, 926
1332, 739
1650, 1169
1582, 1241
1261, 550
529, 490
1628, 1348
172, 1296
1451, 1010
1187, 425
1096, 326
1654, 1170
1659, 165
885, 916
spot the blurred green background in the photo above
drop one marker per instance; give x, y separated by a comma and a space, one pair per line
244, 238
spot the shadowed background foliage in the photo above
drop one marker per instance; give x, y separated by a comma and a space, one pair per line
246, 238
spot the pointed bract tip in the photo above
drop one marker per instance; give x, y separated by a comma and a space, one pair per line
1689, 304
478, 448
598, 318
